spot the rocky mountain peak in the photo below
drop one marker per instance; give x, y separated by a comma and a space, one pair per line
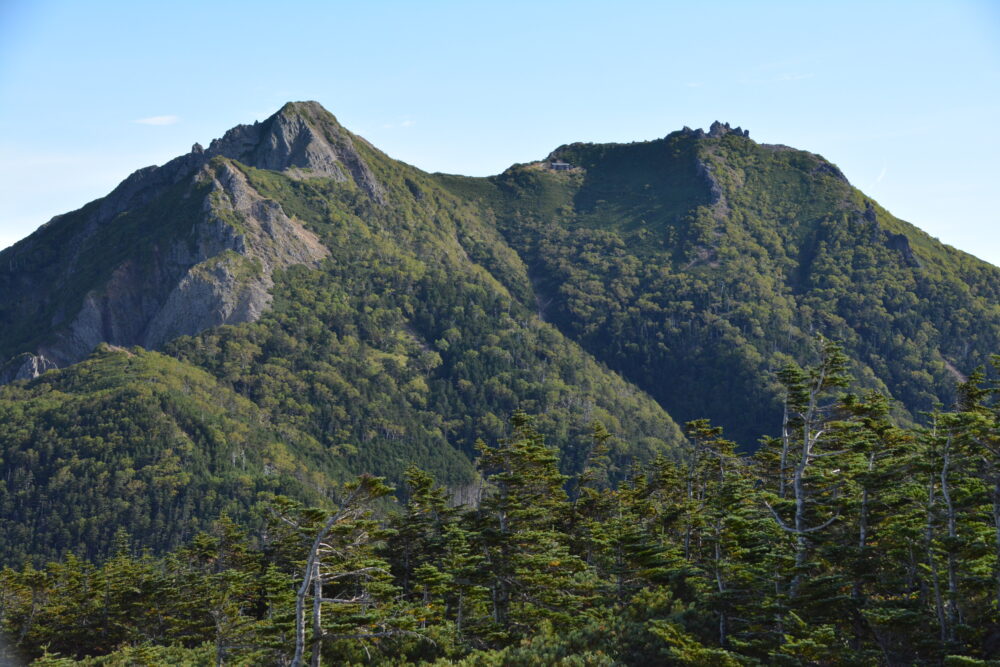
718, 129
217, 272
303, 140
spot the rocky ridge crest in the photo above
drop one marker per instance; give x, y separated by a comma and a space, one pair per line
219, 274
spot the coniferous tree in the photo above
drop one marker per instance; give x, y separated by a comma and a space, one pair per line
431, 552
532, 574
812, 495
735, 535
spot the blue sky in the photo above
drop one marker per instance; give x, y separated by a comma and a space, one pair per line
903, 96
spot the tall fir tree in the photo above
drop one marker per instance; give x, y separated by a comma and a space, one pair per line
532, 576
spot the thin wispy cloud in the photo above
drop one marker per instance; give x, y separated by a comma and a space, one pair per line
788, 76
881, 174
158, 120
405, 123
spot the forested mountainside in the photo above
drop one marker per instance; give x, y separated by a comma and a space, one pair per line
140, 442
698, 264
849, 542
367, 316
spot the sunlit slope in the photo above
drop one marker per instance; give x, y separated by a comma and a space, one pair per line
697, 263
137, 441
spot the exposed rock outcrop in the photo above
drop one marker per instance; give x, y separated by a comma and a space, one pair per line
24, 367
223, 277
233, 285
303, 140
718, 129
704, 170
697, 134
901, 244
219, 273
715, 130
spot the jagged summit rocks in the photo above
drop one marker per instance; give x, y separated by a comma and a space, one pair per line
719, 245
717, 129
206, 244
302, 139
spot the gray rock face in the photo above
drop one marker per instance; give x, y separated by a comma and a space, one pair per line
24, 367
221, 272
233, 284
715, 130
302, 139
901, 244
705, 171
224, 277
718, 129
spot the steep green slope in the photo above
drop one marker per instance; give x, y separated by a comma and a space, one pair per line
138, 441
697, 263
413, 338
311, 291
369, 318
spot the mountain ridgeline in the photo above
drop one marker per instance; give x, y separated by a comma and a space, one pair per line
319, 310
699, 264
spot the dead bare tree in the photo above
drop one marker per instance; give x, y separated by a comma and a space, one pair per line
805, 391
340, 536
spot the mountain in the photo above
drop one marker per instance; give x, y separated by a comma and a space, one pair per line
366, 315
173, 250
699, 264
372, 318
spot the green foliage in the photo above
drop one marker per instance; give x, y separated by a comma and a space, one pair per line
532, 575
695, 265
683, 563
192, 507
133, 440
414, 338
